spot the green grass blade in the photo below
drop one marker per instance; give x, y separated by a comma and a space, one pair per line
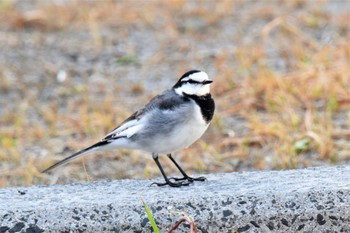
150, 217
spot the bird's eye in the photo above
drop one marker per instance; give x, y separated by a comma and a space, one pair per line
192, 82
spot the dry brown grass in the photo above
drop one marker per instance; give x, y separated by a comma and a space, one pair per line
291, 115
284, 109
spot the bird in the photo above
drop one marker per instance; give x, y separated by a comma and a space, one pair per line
171, 121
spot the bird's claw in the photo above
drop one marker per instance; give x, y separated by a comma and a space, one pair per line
189, 179
172, 184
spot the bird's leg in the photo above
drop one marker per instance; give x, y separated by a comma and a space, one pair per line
185, 176
167, 181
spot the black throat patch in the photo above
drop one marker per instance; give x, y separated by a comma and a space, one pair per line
206, 104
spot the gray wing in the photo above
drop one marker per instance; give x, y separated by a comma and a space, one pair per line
167, 101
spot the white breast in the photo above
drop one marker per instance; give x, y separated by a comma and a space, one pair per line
183, 135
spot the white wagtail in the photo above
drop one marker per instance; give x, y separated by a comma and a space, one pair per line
170, 122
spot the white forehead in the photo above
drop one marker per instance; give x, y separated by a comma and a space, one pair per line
198, 76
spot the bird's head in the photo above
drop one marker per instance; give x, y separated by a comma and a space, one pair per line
193, 82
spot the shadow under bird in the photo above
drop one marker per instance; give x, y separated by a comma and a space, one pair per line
170, 122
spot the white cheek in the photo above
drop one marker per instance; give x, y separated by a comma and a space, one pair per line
204, 90
193, 89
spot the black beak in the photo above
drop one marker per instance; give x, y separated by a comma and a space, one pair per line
207, 82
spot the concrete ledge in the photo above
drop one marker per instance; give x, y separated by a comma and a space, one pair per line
306, 200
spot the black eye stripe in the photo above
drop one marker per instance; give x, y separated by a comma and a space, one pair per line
196, 82
192, 81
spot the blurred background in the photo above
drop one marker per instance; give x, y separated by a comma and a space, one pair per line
70, 71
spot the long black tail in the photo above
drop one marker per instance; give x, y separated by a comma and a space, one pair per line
76, 155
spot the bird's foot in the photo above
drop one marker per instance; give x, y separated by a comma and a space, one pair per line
189, 179
173, 184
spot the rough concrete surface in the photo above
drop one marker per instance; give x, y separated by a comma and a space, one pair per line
306, 200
